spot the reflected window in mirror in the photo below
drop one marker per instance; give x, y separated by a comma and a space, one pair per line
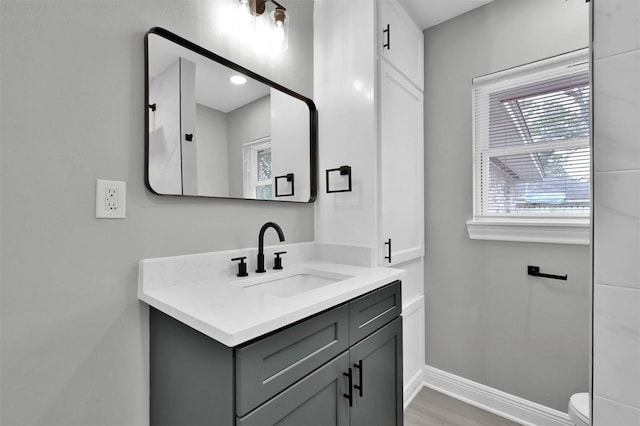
257, 172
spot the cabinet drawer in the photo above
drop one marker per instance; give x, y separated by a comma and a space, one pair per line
268, 366
316, 400
371, 311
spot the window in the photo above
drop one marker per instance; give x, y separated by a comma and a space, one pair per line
531, 147
257, 169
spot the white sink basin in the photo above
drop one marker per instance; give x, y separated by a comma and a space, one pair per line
291, 283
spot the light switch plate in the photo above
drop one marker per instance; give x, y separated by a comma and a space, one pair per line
111, 199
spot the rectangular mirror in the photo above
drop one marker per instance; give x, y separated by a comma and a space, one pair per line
217, 129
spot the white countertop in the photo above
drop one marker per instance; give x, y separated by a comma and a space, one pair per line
224, 310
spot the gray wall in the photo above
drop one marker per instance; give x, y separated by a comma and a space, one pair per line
486, 320
74, 338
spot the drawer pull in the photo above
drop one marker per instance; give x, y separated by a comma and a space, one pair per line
361, 373
388, 43
388, 243
349, 395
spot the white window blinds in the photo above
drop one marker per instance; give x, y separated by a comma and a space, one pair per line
531, 140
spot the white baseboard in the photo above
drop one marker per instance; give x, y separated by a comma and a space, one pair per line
412, 388
514, 408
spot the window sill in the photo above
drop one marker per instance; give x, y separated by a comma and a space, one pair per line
554, 231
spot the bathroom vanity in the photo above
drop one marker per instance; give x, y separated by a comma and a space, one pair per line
340, 367
318, 343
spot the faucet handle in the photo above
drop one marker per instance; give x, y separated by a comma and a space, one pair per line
242, 267
277, 262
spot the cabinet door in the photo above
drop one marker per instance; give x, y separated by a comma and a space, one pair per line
401, 41
377, 367
316, 400
401, 171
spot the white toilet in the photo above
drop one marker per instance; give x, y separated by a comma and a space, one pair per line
579, 409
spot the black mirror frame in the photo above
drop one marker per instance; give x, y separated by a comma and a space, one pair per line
313, 113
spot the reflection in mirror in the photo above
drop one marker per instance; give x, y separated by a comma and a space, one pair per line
216, 129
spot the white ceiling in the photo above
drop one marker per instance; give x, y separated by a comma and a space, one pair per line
427, 13
212, 86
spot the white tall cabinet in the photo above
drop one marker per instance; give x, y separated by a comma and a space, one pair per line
400, 167
368, 76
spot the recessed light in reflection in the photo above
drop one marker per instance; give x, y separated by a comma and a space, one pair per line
238, 79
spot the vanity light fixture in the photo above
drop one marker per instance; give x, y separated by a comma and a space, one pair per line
279, 19
237, 79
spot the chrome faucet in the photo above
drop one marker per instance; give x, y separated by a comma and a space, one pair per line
261, 242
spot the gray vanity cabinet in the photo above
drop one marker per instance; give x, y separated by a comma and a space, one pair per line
380, 402
320, 399
296, 376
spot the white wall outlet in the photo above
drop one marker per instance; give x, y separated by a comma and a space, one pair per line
111, 199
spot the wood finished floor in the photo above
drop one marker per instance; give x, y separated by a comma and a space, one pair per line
430, 408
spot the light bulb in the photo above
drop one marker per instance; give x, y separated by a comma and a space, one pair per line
238, 79
280, 20
279, 33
